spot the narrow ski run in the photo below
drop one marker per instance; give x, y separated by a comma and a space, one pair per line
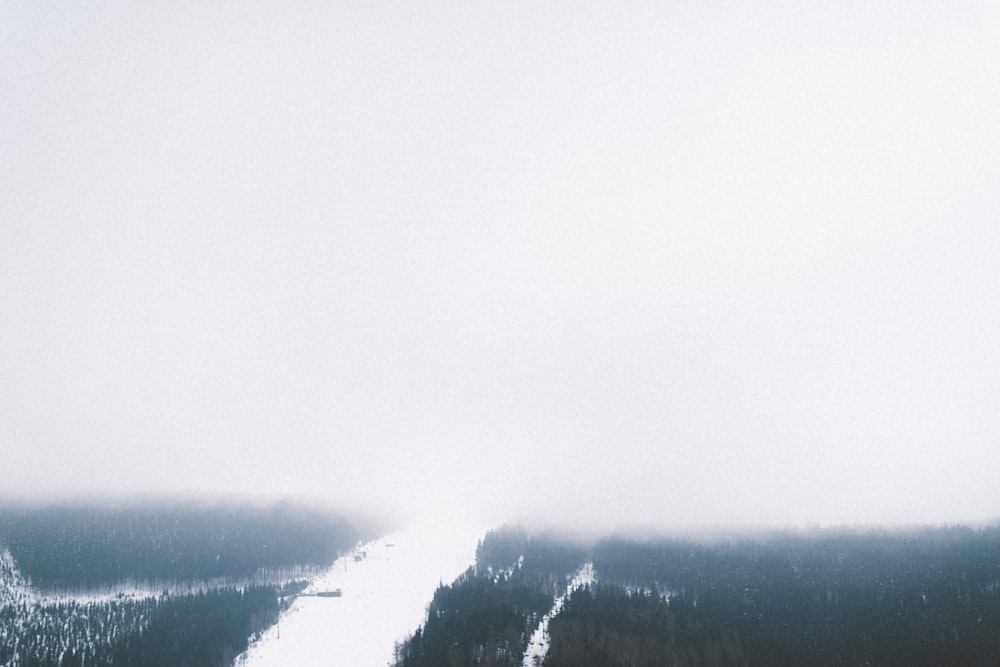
538, 646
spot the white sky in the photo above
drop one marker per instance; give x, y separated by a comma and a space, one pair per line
677, 263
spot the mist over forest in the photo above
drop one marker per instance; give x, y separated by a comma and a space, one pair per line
519, 333
185, 582
680, 265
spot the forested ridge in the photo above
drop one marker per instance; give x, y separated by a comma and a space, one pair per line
607, 624
923, 596
487, 615
93, 544
926, 596
235, 562
917, 597
207, 628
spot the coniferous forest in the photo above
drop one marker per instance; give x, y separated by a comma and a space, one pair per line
927, 596
197, 582
94, 544
201, 579
486, 616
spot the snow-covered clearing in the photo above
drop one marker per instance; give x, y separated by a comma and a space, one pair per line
16, 588
13, 588
538, 646
384, 597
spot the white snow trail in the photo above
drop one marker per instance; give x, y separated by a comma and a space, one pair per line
538, 646
384, 597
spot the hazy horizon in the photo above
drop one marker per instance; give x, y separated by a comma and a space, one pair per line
667, 265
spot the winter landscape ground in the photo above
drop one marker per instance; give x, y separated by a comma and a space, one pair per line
446, 593
384, 597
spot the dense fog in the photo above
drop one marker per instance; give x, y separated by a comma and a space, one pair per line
576, 265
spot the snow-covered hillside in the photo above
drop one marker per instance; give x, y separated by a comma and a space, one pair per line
14, 589
384, 597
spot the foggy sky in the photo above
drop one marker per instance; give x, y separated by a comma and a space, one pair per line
681, 263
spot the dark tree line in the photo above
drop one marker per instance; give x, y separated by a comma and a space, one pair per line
216, 549
477, 620
487, 615
203, 629
917, 597
541, 558
90, 545
606, 625
920, 597
501, 548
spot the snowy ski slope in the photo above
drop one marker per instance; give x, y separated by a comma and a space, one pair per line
384, 597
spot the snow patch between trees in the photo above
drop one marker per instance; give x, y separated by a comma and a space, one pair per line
538, 646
